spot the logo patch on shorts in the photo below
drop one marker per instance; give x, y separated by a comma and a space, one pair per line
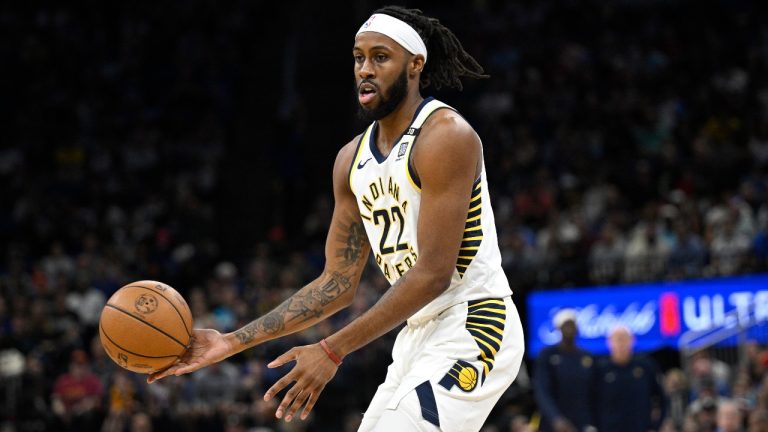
462, 374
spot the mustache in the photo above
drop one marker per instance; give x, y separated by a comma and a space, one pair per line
367, 81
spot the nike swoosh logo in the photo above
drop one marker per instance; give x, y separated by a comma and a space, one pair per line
362, 164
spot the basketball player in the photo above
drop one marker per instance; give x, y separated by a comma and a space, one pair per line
412, 188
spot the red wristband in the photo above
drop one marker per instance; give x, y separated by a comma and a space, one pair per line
331, 355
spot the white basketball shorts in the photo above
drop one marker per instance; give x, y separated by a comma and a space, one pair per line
449, 371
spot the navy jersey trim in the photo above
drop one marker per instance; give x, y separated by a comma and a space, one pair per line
372, 144
380, 158
428, 403
411, 170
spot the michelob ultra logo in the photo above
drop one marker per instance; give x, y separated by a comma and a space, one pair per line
656, 313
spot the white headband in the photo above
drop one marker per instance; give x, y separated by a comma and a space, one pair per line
398, 30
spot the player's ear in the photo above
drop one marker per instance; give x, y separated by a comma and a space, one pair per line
416, 65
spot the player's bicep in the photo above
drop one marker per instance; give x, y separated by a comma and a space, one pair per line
347, 247
447, 169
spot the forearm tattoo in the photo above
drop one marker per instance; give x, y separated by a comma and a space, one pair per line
310, 302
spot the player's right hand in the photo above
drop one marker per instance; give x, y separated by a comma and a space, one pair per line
207, 346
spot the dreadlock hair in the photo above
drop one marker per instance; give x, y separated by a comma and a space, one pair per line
447, 59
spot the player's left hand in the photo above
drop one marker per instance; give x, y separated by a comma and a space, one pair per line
312, 372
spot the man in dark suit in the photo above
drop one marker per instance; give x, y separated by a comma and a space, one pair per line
630, 397
564, 381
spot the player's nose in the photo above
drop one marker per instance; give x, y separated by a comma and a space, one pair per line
366, 69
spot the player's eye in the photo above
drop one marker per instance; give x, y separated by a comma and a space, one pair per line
381, 57
359, 58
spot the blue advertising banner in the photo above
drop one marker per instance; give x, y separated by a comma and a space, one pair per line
657, 313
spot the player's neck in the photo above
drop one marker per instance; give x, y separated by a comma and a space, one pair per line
392, 126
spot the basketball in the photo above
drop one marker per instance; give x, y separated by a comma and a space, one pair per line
468, 378
145, 326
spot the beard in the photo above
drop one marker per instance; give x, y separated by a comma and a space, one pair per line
388, 103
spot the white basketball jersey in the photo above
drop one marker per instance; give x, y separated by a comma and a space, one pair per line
389, 197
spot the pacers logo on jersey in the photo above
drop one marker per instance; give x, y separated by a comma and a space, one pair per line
462, 375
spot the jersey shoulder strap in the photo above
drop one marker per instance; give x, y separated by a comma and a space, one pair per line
430, 107
410, 135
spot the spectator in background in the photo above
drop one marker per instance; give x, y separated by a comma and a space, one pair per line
630, 397
77, 394
57, 264
690, 424
729, 247
646, 253
742, 392
120, 401
216, 385
758, 421
85, 300
705, 416
101, 365
678, 393
760, 243
121, 395
34, 410
140, 422
669, 426
563, 381
688, 255
705, 403
728, 417
607, 255
708, 371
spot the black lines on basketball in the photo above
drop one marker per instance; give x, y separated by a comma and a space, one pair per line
106, 335
145, 322
186, 329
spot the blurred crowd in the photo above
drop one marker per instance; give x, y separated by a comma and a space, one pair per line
624, 141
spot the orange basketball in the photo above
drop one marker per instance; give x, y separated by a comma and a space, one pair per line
145, 326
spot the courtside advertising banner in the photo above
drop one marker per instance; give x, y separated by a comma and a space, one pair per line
658, 314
